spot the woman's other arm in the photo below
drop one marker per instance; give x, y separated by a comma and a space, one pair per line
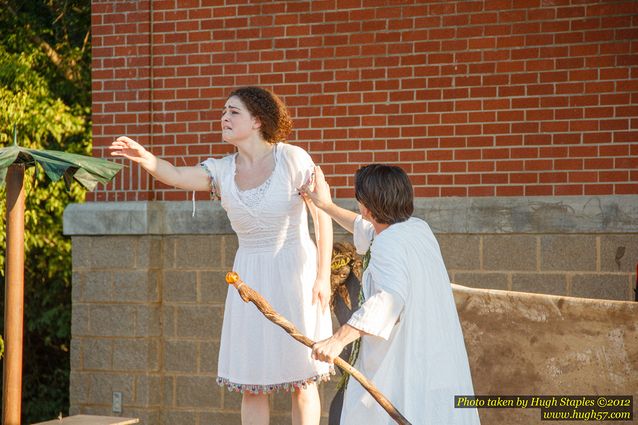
323, 235
320, 196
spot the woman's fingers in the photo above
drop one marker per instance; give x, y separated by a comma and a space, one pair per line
126, 140
126, 147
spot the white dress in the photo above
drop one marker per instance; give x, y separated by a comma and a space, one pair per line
278, 259
415, 354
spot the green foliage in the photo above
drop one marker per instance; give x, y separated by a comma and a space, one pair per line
45, 92
40, 118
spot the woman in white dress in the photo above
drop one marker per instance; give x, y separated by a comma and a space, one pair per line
259, 189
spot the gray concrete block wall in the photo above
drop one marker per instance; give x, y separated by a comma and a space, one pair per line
148, 302
579, 265
152, 333
116, 331
192, 303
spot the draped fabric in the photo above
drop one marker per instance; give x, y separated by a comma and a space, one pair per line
415, 353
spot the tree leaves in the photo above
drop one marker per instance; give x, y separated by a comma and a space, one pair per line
50, 111
31, 105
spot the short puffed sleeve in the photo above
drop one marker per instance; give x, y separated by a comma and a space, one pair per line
212, 167
300, 165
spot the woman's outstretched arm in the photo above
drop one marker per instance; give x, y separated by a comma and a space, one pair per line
188, 178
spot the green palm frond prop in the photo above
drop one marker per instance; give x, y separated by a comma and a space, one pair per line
85, 170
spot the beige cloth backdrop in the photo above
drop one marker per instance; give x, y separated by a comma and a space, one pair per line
532, 344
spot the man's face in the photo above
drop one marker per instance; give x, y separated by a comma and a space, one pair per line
365, 213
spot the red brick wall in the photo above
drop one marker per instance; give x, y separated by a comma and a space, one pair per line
472, 98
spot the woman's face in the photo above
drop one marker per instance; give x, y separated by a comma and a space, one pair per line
237, 123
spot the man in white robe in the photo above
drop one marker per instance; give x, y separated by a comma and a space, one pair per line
412, 344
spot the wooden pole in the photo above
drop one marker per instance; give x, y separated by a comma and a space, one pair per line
14, 297
248, 294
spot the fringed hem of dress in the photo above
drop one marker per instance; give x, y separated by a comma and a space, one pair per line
267, 389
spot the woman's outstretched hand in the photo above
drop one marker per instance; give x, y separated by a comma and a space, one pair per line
128, 148
187, 178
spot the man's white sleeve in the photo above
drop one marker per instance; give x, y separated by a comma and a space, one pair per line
378, 314
388, 279
362, 235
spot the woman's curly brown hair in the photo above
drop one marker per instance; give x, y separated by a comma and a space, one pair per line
268, 108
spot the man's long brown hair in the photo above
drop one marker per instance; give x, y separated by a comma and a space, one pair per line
386, 191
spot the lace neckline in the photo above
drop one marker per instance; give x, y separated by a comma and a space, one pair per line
274, 154
252, 197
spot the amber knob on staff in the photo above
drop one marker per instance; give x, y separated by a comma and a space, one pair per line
231, 277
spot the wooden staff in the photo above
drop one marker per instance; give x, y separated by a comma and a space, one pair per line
248, 294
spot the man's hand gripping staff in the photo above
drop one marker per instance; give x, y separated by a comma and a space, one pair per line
250, 295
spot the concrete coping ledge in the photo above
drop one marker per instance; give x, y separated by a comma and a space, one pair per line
91, 420
551, 214
463, 294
